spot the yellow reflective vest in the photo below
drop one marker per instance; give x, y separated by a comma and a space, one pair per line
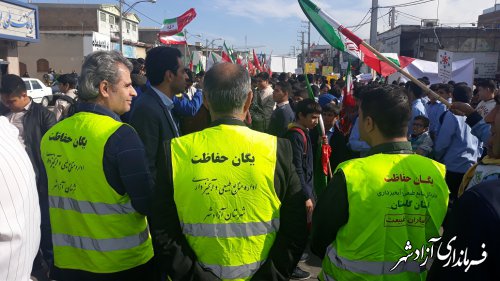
225, 196
393, 199
94, 228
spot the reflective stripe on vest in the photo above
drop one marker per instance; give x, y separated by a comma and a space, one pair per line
86, 207
230, 229
234, 272
372, 267
101, 245
326, 277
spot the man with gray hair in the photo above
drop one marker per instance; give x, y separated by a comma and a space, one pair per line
99, 184
232, 207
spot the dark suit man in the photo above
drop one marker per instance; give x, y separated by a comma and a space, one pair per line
152, 113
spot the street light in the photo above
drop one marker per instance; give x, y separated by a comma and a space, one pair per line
122, 15
211, 44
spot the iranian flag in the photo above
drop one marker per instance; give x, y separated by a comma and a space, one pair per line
226, 57
228, 54
176, 25
348, 90
177, 39
216, 58
344, 40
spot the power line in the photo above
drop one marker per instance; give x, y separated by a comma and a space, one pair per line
368, 12
139, 12
368, 21
412, 3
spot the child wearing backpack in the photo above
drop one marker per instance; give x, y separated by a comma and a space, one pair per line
307, 114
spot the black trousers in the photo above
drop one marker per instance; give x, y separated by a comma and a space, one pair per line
143, 272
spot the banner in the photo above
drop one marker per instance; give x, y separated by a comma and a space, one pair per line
462, 71
445, 60
326, 70
310, 68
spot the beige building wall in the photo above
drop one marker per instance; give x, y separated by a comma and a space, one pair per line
8, 55
141, 52
63, 51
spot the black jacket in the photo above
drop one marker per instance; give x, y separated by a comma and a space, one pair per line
179, 259
152, 121
303, 161
474, 220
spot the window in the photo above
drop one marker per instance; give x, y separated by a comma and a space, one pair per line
28, 86
112, 19
42, 65
36, 85
134, 27
103, 17
127, 24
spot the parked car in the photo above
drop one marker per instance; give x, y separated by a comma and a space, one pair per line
37, 90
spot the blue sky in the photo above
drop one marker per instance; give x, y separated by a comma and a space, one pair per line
274, 24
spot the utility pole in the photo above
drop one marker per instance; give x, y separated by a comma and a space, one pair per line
121, 25
373, 26
303, 55
393, 17
308, 39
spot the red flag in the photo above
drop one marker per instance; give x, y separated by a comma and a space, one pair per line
251, 68
225, 57
191, 62
256, 62
326, 151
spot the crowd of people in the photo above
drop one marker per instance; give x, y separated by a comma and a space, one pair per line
144, 170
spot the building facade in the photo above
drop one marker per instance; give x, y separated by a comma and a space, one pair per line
68, 32
424, 42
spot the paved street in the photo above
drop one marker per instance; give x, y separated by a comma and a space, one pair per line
313, 265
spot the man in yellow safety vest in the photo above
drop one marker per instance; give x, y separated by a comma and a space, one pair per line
99, 184
378, 217
232, 208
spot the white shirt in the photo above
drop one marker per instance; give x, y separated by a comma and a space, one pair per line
485, 107
19, 209
16, 119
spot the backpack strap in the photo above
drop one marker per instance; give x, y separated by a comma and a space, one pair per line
304, 138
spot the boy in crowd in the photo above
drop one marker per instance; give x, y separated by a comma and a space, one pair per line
421, 141
307, 114
283, 114
486, 91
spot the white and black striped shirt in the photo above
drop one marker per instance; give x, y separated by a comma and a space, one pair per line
19, 208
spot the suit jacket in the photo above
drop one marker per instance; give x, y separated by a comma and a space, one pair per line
153, 122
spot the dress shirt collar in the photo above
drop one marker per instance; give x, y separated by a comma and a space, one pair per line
164, 99
282, 103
